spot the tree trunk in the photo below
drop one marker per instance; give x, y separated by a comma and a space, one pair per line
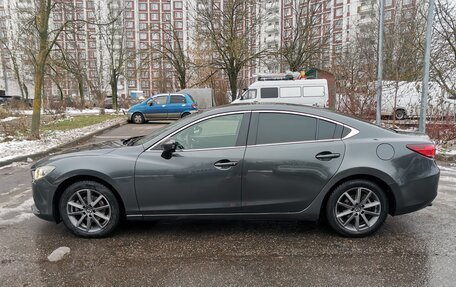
81, 93
232, 78
114, 92
42, 22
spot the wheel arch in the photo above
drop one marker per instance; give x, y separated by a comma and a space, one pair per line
73, 179
381, 182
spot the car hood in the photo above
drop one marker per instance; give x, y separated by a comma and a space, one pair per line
95, 149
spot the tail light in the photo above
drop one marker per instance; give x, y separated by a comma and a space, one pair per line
194, 105
427, 150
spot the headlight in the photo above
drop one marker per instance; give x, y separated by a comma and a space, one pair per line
42, 171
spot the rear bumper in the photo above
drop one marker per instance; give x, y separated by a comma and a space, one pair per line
416, 194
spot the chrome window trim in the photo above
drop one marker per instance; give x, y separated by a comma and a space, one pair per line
193, 123
352, 132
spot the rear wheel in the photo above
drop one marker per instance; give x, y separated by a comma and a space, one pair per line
184, 115
89, 209
357, 208
400, 114
137, 118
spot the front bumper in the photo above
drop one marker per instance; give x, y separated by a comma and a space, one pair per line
43, 195
129, 114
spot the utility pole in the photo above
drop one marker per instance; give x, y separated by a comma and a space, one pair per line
378, 114
427, 56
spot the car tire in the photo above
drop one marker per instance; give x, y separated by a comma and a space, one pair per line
357, 208
89, 209
400, 114
184, 115
137, 118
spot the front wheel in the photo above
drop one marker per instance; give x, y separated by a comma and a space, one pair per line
89, 209
357, 208
137, 118
400, 114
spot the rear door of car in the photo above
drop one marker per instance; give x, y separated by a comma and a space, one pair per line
176, 106
288, 160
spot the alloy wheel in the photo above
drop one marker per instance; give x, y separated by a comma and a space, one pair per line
88, 210
357, 209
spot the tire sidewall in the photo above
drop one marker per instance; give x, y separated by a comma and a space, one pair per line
106, 192
338, 191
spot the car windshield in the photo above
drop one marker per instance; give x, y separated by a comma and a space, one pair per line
158, 131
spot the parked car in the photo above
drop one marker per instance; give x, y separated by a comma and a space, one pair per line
243, 161
303, 92
162, 107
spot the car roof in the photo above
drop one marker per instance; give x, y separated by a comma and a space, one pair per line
287, 83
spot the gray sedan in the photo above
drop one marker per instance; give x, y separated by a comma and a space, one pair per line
243, 161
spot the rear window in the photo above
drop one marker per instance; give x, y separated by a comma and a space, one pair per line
282, 128
269, 93
177, 99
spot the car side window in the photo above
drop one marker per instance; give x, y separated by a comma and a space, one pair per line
218, 132
282, 128
290, 92
328, 130
177, 99
269, 93
161, 100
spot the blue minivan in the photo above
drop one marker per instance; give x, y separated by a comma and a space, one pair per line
163, 107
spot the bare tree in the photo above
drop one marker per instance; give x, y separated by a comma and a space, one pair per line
304, 42
118, 54
229, 29
443, 60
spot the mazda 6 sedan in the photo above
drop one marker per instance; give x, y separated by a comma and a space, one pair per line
263, 161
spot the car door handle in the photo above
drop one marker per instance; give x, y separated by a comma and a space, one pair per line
224, 163
327, 155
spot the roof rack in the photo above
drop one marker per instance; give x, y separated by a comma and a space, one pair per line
277, 77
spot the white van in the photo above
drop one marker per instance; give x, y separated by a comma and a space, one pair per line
303, 92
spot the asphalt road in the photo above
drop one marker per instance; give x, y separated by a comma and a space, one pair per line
417, 249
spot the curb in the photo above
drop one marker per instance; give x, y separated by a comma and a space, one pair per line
42, 154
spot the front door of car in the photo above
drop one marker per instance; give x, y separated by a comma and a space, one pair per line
177, 105
288, 161
204, 173
157, 108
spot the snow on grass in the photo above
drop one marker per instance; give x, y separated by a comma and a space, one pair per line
49, 139
71, 111
8, 119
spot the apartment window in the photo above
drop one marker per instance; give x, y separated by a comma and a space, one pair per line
155, 36
154, 16
142, 26
143, 36
178, 5
130, 44
388, 2
144, 84
130, 35
166, 6
91, 54
129, 4
388, 15
90, 5
142, 16
142, 45
154, 6
90, 15
339, 1
129, 14
338, 37
178, 15
130, 24
178, 25
145, 74
167, 17
131, 84
154, 26
338, 24
407, 2
92, 45
142, 6
339, 11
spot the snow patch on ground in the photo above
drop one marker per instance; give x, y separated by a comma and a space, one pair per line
58, 254
51, 139
71, 111
8, 119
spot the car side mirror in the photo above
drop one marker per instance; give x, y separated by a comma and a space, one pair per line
169, 148
241, 98
151, 103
